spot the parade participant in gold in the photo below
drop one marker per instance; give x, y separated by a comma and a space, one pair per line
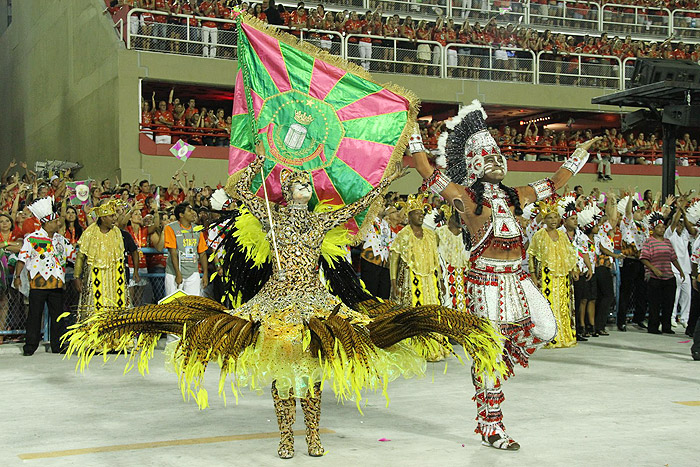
552, 261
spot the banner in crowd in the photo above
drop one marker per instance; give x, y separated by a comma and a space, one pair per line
181, 150
79, 192
315, 112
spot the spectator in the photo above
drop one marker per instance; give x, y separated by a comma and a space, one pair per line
271, 13
210, 9
163, 120
187, 252
658, 256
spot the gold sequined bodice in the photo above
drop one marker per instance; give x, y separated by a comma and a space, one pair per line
299, 235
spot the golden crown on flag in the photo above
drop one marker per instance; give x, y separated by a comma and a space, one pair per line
303, 117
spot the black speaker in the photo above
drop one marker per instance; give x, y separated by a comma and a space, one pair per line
682, 115
654, 70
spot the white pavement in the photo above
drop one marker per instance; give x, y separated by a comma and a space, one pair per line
612, 401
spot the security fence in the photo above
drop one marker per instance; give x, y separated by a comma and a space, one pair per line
637, 20
584, 70
490, 63
379, 54
14, 305
395, 55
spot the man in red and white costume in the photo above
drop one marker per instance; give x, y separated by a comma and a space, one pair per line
498, 288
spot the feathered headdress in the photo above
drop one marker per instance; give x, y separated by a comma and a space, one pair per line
466, 145
693, 212
654, 218
589, 216
220, 201
530, 211
566, 207
622, 204
548, 207
106, 209
43, 209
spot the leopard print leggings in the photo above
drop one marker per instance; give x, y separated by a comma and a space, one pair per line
286, 415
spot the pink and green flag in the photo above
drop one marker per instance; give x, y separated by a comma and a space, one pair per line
316, 112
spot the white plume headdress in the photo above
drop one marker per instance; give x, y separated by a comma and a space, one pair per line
43, 209
466, 144
220, 200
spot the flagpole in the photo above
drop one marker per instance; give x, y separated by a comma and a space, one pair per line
242, 63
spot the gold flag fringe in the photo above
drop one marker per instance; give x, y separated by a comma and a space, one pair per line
339, 62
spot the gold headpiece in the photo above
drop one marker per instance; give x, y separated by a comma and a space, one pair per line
547, 207
106, 209
415, 203
447, 210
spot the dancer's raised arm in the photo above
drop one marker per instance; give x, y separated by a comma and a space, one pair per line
242, 188
544, 188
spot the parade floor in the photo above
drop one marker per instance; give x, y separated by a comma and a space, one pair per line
629, 399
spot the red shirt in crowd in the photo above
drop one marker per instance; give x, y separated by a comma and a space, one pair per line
165, 115
159, 17
212, 14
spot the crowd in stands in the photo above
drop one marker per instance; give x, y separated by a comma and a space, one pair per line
200, 126
173, 119
407, 30
531, 143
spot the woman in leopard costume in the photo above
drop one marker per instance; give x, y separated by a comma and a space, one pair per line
292, 333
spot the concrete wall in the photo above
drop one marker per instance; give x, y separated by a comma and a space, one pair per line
70, 90
58, 66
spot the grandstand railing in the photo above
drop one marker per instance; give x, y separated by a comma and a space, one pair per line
542, 152
186, 132
185, 39
469, 61
638, 20
686, 23
398, 55
401, 56
586, 71
628, 70
566, 14
474, 10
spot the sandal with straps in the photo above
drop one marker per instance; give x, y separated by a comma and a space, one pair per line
500, 441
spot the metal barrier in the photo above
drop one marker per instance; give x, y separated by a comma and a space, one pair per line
639, 20
14, 306
395, 55
483, 10
628, 70
483, 62
429, 58
686, 23
426, 8
583, 70
190, 38
572, 14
